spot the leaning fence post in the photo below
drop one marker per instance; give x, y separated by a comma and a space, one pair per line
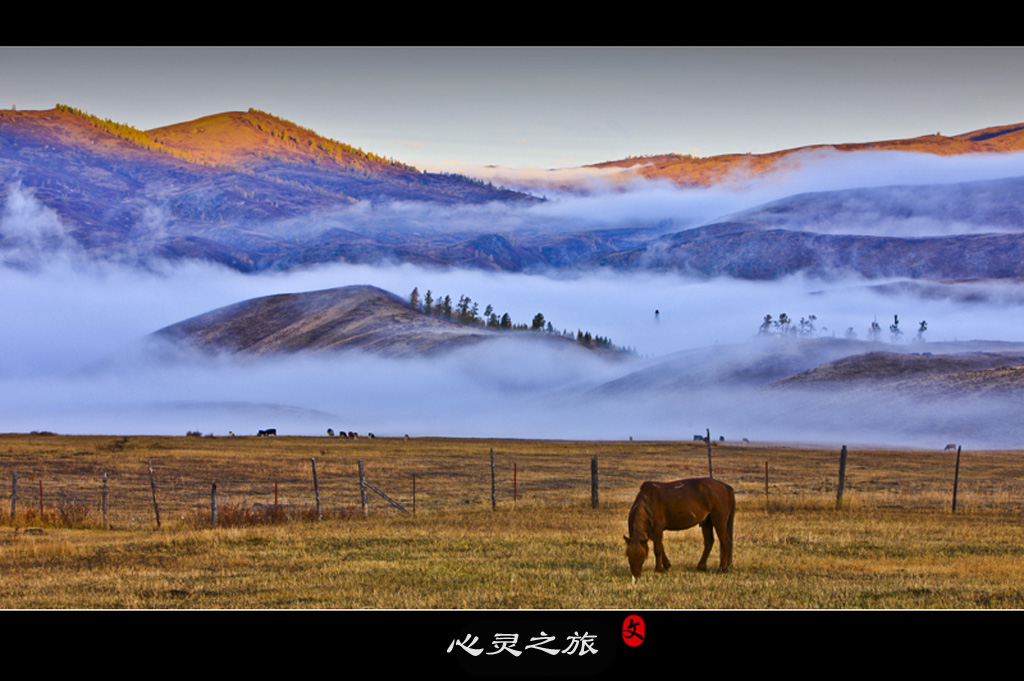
842, 478
152, 485
494, 500
213, 505
956, 477
362, 489
593, 482
316, 489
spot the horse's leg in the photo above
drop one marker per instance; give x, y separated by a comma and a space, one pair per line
709, 540
661, 561
723, 526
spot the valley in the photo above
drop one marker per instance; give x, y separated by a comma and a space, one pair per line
239, 269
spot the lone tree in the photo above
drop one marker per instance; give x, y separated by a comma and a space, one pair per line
894, 328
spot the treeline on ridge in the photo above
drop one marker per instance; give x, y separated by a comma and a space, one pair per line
467, 311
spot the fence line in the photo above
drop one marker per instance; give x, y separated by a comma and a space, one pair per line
146, 494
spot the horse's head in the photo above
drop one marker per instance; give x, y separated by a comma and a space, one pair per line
636, 553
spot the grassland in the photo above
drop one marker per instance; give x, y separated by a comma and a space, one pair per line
894, 543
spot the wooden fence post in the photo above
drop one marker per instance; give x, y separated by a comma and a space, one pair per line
104, 505
711, 470
152, 485
14, 493
767, 502
414, 494
316, 489
40, 501
842, 478
494, 499
213, 505
515, 484
362, 489
956, 477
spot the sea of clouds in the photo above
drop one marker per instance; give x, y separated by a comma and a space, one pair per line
76, 356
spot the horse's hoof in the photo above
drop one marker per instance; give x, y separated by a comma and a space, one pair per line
702, 568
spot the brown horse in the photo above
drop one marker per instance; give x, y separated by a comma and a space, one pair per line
680, 505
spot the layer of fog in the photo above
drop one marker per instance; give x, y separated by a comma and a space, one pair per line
75, 358
604, 201
662, 207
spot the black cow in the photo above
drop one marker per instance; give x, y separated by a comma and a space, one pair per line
267, 432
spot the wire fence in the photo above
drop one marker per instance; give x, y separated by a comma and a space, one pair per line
88, 491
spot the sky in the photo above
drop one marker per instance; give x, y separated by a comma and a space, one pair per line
453, 108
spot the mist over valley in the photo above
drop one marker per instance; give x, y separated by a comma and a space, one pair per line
147, 290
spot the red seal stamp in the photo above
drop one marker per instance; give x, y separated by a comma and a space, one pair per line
633, 630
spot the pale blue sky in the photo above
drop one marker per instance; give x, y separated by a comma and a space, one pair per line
533, 107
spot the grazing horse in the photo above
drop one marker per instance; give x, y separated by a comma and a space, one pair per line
680, 505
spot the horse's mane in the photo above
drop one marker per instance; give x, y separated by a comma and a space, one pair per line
640, 515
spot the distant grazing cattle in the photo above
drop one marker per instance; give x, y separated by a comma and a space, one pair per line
352, 434
746, 441
370, 435
267, 432
698, 438
330, 432
949, 446
407, 436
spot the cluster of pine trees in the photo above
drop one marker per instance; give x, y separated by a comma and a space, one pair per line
128, 133
467, 311
783, 325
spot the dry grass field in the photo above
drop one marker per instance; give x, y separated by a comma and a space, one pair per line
536, 542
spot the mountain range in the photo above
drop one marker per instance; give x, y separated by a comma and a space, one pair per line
255, 192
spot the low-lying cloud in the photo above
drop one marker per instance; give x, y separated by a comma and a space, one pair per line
77, 359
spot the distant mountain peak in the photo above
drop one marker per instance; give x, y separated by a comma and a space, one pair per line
247, 138
688, 170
